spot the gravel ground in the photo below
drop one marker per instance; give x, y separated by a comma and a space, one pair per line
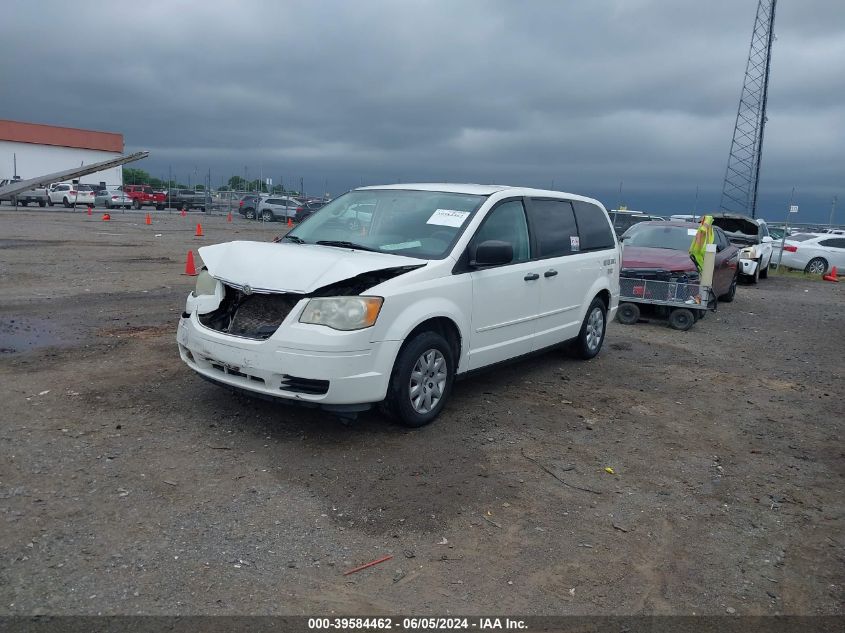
129, 485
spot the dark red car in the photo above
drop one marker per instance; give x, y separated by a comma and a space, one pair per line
662, 248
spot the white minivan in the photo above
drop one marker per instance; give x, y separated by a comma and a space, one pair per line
387, 294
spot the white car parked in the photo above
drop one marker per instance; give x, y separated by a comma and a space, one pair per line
69, 195
433, 281
814, 253
753, 240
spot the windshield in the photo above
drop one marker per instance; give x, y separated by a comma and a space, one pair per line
422, 224
677, 238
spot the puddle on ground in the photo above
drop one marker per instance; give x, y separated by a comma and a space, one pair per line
23, 334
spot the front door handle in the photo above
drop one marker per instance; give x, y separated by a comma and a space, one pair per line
531, 277
550, 273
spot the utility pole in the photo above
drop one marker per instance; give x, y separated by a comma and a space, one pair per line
832, 210
786, 226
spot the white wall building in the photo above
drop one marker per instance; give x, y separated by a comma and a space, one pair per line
35, 150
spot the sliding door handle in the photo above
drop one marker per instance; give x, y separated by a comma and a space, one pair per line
531, 277
550, 273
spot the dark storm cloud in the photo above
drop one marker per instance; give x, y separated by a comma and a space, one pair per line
587, 94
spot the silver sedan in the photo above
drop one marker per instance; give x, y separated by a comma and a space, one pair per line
111, 199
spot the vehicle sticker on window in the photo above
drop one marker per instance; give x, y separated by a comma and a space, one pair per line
575, 243
399, 247
448, 217
692, 231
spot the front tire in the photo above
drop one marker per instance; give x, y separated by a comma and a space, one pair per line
628, 313
816, 266
267, 216
590, 339
731, 293
66, 202
49, 202
421, 380
42, 204
681, 319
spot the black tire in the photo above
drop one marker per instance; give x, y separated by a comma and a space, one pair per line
731, 293
398, 403
136, 204
66, 202
764, 274
159, 207
249, 214
628, 313
267, 215
23, 203
108, 204
42, 203
681, 319
816, 266
49, 202
586, 345
756, 276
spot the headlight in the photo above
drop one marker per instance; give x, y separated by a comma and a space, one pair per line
206, 284
749, 252
342, 313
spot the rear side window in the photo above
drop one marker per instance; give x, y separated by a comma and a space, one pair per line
553, 225
833, 243
593, 226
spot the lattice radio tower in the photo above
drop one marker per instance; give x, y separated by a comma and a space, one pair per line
739, 192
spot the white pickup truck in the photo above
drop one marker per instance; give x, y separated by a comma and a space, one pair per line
752, 238
36, 196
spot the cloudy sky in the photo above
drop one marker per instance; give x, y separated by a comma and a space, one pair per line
578, 95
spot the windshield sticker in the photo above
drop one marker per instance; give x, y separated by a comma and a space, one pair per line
448, 217
692, 231
399, 247
575, 243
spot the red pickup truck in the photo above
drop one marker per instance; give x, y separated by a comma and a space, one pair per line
144, 196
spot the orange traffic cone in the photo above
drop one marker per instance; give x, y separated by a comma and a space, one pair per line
183, 213
148, 220
199, 230
229, 217
190, 268
89, 209
832, 275
290, 223
106, 217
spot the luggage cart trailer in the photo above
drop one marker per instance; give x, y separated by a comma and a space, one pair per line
682, 302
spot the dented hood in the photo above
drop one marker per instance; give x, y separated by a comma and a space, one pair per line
288, 267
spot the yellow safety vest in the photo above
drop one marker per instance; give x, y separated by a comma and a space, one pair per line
703, 237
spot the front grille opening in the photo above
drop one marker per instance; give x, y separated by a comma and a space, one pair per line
255, 316
304, 385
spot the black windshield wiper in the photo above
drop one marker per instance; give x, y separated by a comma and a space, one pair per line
294, 239
344, 244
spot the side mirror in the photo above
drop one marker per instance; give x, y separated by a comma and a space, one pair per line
492, 253
767, 239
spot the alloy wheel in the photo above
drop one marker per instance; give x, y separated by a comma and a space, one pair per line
595, 329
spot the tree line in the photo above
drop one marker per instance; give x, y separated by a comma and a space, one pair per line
134, 176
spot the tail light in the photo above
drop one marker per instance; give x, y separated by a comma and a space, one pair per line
298, 209
790, 249
72, 192
241, 203
114, 198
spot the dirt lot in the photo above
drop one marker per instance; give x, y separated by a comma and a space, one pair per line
129, 485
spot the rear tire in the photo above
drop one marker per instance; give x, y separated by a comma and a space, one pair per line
816, 266
681, 319
159, 207
421, 380
249, 214
590, 339
42, 203
628, 313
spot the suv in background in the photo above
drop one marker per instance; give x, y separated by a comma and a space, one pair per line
308, 209
248, 204
68, 195
277, 207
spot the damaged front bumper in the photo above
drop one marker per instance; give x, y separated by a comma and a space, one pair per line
748, 267
298, 362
